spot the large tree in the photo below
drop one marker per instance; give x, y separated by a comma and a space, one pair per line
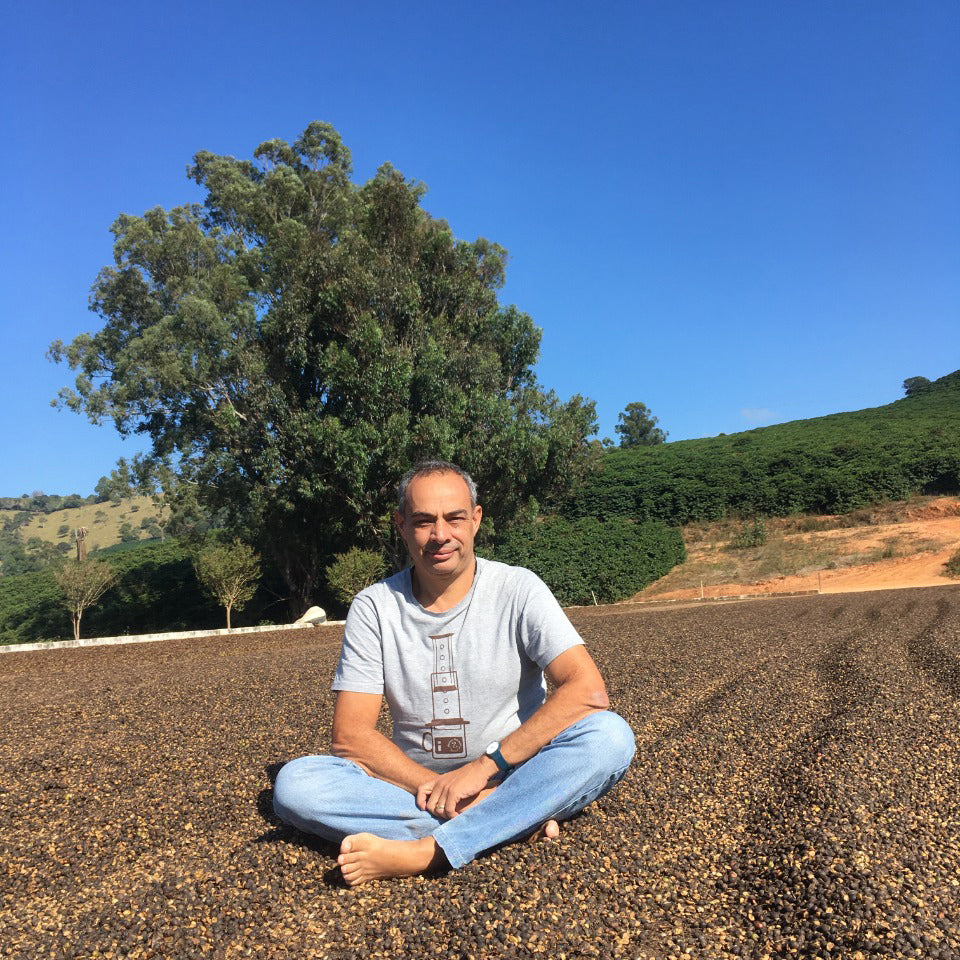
296, 342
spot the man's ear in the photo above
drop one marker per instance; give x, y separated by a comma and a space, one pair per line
398, 520
477, 517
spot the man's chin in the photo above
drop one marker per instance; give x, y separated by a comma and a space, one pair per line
440, 565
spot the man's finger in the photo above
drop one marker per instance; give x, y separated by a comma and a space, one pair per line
423, 791
442, 805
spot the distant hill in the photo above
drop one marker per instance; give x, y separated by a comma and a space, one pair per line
32, 534
104, 522
830, 464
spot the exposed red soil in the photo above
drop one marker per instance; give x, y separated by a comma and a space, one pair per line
935, 522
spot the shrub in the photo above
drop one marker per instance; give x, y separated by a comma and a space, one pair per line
352, 571
589, 559
752, 535
952, 566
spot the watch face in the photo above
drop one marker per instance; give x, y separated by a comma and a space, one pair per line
493, 748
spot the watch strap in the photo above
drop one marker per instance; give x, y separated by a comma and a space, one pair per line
497, 757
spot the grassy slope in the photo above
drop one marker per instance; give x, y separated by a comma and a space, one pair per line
102, 521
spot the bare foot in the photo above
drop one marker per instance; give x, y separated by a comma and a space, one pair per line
549, 831
365, 857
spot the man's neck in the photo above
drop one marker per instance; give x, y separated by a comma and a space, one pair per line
438, 596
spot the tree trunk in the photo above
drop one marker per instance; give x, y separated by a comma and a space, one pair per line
300, 571
76, 626
229, 605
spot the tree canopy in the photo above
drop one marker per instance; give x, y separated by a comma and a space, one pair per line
914, 385
638, 427
229, 572
83, 583
292, 345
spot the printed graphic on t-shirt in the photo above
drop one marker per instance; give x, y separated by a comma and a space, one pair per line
446, 734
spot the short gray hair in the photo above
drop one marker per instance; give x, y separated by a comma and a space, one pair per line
425, 468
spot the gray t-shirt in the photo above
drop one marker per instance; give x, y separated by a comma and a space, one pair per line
455, 681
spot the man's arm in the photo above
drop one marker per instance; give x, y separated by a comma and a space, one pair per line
355, 737
578, 691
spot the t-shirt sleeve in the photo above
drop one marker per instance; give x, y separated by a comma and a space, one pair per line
545, 630
360, 669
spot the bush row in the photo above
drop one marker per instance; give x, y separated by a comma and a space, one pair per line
828, 465
588, 560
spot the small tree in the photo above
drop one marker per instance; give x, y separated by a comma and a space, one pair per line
229, 573
638, 427
354, 570
83, 583
914, 385
127, 533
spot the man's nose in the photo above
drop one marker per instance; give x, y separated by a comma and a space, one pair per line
441, 531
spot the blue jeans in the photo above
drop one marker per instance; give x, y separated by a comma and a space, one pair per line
332, 797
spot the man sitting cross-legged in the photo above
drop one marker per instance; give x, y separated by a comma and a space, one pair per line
480, 755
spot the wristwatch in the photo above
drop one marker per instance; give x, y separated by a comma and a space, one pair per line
493, 752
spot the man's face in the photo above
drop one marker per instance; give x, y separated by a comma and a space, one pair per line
438, 525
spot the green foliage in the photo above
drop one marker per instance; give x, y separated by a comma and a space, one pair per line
127, 533
352, 571
297, 342
156, 591
638, 427
831, 464
14, 559
31, 608
914, 385
952, 566
229, 572
151, 528
117, 486
589, 559
753, 534
40, 502
82, 584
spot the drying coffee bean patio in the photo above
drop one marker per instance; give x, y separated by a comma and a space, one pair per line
796, 793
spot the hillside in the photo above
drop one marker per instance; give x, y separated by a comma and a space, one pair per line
102, 520
32, 535
826, 465
897, 545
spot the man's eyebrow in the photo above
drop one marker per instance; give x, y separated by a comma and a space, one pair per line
426, 515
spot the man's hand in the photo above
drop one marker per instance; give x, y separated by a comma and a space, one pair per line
449, 794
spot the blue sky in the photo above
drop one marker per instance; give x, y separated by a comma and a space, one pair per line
739, 213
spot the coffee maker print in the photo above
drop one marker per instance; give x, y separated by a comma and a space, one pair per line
446, 737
